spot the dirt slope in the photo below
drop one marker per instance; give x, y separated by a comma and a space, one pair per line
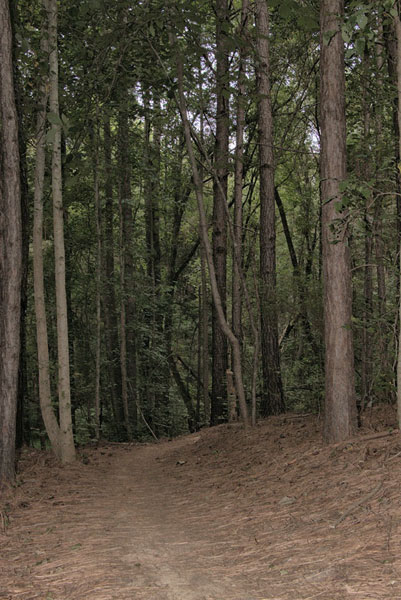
218, 515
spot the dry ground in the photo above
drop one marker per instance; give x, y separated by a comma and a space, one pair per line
217, 515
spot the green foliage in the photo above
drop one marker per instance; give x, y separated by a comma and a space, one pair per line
118, 56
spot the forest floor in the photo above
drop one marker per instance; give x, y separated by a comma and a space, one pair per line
218, 515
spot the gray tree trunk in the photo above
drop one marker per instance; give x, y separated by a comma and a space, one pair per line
67, 448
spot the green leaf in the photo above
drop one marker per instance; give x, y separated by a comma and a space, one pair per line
362, 20
345, 34
308, 22
360, 46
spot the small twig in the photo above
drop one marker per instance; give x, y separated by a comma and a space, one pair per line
366, 438
357, 504
394, 456
147, 424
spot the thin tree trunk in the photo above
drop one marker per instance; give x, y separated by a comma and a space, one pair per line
340, 407
99, 262
123, 327
49, 418
64, 393
377, 224
379, 247
204, 298
10, 252
127, 330
235, 345
398, 35
219, 341
22, 430
110, 311
238, 181
272, 393
205, 337
366, 358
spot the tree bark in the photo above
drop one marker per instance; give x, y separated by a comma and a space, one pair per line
127, 315
238, 180
272, 393
22, 430
10, 252
64, 393
398, 36
235, 345
340, 407
109, 301
219, 341
49, 418
99, 262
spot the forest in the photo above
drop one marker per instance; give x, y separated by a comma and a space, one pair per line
200, 217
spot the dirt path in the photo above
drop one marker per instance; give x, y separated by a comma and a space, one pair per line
220, 515
126, 531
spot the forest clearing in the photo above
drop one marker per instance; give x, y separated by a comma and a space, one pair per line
220, 514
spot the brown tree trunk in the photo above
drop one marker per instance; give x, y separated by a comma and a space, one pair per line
109, 301
158, 395
127, 334
398, 63
45, 399
235, 345
10, 252
238, 180
99, 250
205, 337
67, 448
379, 246
340, 407
219, 341
365, 173
272, 393
22, 430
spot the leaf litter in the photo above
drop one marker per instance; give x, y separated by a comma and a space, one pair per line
222, 514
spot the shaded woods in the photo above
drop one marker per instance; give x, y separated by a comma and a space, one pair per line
200, 217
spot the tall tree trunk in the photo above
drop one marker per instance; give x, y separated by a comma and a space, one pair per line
99, 261
366, 356
22, 415
272, 393
10, 252
235, 345
205, 337
158, 395
219, 341
127, 334
49, 418
340, 408
379, 247
110, 311
398, 35
238, 180
64, 393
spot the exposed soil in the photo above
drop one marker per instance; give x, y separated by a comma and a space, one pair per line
217, 515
